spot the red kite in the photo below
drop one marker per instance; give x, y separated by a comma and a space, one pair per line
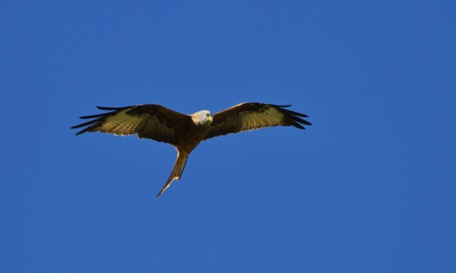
185, 132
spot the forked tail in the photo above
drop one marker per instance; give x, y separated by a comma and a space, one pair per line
176, 173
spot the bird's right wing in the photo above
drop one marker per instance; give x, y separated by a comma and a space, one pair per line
151, 121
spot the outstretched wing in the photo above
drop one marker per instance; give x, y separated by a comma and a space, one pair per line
251, 116
147, 121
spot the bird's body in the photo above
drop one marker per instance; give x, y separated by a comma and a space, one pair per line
185, 132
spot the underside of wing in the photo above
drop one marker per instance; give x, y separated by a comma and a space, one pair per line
251, 116
147, 121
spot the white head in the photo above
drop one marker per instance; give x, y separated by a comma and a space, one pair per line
201, 117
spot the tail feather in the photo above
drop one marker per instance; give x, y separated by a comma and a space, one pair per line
176, 173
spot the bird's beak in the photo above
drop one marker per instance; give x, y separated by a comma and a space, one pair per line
211, 118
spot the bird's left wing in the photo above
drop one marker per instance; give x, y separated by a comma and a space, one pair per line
251, 116
151, 121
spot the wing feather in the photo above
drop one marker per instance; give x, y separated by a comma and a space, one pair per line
252, 116
147, 121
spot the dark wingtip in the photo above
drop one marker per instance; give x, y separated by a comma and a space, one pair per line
78, 126
110, 108
299, 126
96, 119
80, 132
296, 118
282, 106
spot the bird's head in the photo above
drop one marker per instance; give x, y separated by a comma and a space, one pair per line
202, 117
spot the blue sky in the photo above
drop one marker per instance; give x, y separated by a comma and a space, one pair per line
368, 188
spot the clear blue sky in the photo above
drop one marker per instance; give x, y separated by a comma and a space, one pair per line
368, 188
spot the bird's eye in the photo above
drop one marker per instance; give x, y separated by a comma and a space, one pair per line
207, 115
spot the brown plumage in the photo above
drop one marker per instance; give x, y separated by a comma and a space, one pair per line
185, 132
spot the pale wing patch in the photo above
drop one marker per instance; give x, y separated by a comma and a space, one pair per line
253, 120
273, 117
120, 124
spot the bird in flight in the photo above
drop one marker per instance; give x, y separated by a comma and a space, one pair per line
185, 132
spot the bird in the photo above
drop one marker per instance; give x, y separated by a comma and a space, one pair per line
185, 132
